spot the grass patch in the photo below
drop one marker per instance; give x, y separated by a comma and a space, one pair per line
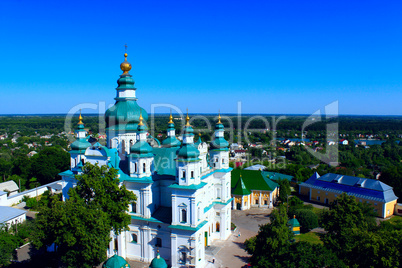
310, 237
317, 211
397, 220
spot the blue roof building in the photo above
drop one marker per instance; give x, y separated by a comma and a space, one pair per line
325, 189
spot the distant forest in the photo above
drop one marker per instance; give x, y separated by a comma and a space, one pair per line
43, 124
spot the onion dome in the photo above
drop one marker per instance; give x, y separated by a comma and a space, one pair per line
125, 113
171, 140
158, 262
141, 147
81, 143
199, 141
116, 262
188, 150
125, 66
219, 142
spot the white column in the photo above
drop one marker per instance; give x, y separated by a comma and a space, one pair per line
174, 210
173, 250
193, 212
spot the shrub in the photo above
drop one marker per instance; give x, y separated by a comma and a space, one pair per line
308, 219
31, 203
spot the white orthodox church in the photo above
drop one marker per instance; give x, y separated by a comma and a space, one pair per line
182, 188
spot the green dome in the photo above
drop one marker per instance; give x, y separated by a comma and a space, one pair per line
80, 144
116, 262
141, 148
171, 142
158, 262
125, 82
124, 115
188, 151
219, 143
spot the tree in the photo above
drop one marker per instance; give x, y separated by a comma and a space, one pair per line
8, 242
272, 241
342, 222
308, 219
81, 226
306, 255
48, 163
99, 188
284, 190
353, 236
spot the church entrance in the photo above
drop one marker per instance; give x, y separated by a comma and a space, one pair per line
238, 206
206, 238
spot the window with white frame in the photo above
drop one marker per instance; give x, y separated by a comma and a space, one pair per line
134, 238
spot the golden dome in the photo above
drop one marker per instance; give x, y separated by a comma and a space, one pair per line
141, 123
80, 119
170, 118
125, 66
188, 120
219, 118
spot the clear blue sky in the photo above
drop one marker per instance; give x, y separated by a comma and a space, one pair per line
281, 57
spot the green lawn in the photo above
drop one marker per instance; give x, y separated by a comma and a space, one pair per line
395, 220
310, 237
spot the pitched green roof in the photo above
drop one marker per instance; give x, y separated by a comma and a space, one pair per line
276, 176
253, 180
240, 188
164, 160
294, 222
171, 142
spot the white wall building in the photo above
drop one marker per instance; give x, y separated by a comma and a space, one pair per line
182, 188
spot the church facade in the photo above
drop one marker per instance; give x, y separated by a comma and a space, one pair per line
183, 188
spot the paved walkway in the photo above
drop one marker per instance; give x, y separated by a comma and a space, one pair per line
231, 253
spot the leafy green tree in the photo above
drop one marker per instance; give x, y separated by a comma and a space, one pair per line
284, 190
354, 237
307, 218
99, 188
8, 242
272, 241
306, 255
81, 226
342, 222
48, 163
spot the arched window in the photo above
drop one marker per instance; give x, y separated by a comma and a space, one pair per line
158, 242
134, 238
183, 257
192, 174
116, 245
184, 174
123, 146
183, 215
218, 227
144, 168
135, 167
199, 213
133, 207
